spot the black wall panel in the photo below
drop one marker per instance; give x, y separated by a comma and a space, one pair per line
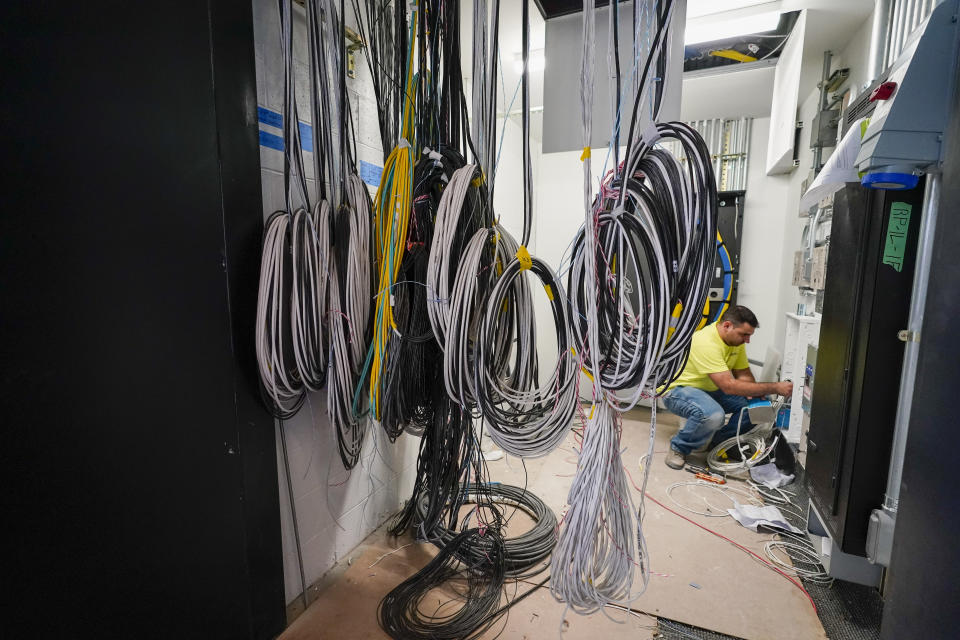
922, 595
859, 361
140, 485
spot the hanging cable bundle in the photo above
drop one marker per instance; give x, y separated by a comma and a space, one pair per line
600, 546
282, 384
645, 249
349, 319
290, 313
383, 29
481, 263
444, 447
393, 204
525, 417
455, 223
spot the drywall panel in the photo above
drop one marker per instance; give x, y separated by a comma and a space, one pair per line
733, 93
783, 111
561, 85
764, 217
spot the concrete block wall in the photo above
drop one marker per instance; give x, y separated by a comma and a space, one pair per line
335, 509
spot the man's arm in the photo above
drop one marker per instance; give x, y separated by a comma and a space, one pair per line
744, 374
734, 386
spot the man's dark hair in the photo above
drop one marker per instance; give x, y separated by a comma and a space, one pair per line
738, 314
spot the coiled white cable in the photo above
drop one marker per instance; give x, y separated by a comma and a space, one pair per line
349, 321
443, 264
281, 383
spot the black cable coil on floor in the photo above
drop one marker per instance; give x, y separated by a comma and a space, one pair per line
524, 555
401, 612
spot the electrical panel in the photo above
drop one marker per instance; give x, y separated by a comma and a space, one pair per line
818, 274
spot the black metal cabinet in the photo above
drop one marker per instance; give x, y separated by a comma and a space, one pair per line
866, 303
138, 463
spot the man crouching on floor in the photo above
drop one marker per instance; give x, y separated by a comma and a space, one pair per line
716, 381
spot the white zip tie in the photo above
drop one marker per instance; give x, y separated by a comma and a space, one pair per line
651, 134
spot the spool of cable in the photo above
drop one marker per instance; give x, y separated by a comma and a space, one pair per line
524, 555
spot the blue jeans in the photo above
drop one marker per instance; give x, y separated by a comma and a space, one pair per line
705, 411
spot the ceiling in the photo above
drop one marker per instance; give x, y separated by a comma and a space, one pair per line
553, 8
758, 46
740, 89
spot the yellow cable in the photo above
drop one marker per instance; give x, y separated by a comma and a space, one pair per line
394, 200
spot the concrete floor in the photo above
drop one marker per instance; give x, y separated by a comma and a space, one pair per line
698, 579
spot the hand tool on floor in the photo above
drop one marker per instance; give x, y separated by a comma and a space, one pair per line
710, 478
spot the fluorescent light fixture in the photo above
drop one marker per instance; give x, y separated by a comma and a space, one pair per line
700, 8
537, 61
721, 27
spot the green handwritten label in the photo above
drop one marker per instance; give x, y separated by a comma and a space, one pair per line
896, 242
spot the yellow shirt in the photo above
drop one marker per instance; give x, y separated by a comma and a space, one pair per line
710, 354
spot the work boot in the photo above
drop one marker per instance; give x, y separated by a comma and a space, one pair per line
675, 459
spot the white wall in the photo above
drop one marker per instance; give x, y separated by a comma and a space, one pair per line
335, 509
508, 188
764, 222
856, 56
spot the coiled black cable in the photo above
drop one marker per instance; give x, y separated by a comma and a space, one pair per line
401, 612
524, 555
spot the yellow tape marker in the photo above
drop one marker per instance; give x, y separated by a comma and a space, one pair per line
585, 155
587, 373
733, 54
592, 407
476, 182
549, 291
524, 257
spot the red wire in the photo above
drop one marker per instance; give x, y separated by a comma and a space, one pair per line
739, 546
720, 535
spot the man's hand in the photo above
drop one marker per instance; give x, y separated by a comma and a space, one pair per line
784, 388
729, 384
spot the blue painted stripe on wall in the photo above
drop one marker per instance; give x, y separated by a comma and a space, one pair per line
271, 140
306, 137
370, 173
272, 118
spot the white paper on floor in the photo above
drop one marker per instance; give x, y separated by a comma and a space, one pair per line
752, 517
769, 476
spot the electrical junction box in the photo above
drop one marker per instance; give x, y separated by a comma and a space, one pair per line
800, 277
824, 130
818, 276
905, 134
